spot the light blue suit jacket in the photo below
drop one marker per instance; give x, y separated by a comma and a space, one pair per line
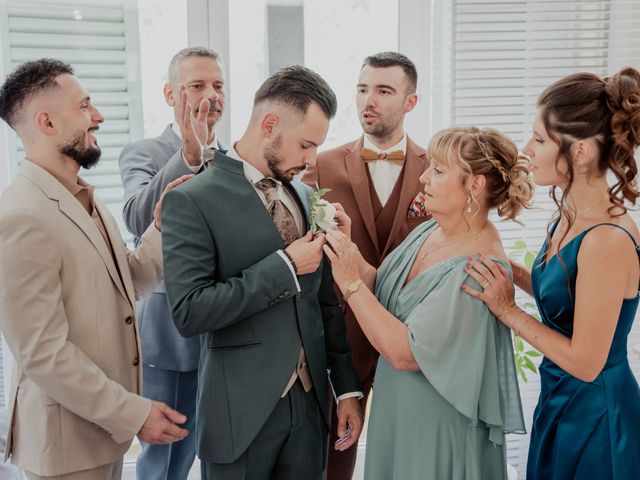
146, 167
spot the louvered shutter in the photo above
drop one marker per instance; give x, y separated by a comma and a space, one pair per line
491, 60
100, 40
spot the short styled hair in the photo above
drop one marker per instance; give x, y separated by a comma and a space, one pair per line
177, 59
395, 59
297, 86
28, 80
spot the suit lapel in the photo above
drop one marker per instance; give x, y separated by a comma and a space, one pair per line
248, 201
116, 243
300, 194
359, 179
170, 137
414, 166
73, 210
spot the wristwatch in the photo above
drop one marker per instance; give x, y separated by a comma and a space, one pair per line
352, 288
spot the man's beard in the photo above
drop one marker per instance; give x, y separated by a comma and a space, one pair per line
86, 157
270, 154
384, 129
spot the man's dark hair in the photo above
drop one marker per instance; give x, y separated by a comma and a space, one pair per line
297, 86
395, 59
26, 81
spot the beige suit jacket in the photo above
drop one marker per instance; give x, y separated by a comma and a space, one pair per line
67, 313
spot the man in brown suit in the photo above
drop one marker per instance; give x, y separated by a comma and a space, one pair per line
376, 179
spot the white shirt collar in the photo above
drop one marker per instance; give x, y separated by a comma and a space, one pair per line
213, 144
250, 172
401, 145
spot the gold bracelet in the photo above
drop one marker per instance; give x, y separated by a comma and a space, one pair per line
351, 289
523, 322
505, 309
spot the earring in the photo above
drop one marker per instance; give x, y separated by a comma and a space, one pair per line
469, 204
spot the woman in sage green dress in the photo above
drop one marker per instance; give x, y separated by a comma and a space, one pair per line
445, 391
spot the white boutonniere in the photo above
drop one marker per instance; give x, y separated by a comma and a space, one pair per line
322, 212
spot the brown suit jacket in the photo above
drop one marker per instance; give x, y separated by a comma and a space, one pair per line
67, 314
343, 171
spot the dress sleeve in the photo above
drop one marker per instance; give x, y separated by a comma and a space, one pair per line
466, 354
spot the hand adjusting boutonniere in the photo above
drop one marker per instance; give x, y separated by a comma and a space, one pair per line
322, 212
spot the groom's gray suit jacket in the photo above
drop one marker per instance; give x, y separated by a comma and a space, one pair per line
226, 281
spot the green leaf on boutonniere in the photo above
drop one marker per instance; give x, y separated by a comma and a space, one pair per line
317, 214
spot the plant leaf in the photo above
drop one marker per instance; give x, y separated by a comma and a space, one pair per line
529, 258
530, 365
518, 343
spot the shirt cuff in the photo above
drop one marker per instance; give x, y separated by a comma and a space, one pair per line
350, 395
193, 169
293, 272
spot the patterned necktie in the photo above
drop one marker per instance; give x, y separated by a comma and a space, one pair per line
396, 157
207, 156
282, 217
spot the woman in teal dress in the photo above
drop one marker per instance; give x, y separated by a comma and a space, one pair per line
585, 281
445, 390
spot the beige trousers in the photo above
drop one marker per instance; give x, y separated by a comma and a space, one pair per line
112, 471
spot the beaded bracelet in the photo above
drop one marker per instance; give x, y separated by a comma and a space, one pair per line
293, 264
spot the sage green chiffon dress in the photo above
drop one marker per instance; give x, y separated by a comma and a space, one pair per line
448, 420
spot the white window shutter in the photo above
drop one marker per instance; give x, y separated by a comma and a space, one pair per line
491, 60
100, 41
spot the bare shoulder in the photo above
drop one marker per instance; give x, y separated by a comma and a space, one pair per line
492, 243
610, 242
488, 243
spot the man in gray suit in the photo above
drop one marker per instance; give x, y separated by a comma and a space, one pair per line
242, 274
195, 90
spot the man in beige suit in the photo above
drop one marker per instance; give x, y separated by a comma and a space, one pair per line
376, 179
67, 292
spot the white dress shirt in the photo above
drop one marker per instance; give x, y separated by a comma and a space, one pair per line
384, 174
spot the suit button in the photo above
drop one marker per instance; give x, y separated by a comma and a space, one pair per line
128, 320
136, 361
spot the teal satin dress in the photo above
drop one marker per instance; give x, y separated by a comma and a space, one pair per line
447, 420
582, 430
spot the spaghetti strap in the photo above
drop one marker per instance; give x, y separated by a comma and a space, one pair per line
621, 228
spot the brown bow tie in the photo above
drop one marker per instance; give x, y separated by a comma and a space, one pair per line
396, 157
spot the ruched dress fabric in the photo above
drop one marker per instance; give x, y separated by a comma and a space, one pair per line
582, 430
447, 420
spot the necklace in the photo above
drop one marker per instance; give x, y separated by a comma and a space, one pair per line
431, 250
597, 204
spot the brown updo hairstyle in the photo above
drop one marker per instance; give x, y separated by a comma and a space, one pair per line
585, 106
489, 153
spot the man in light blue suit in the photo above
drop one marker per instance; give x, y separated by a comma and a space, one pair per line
195, 90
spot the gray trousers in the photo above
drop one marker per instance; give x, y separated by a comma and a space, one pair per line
290, 446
